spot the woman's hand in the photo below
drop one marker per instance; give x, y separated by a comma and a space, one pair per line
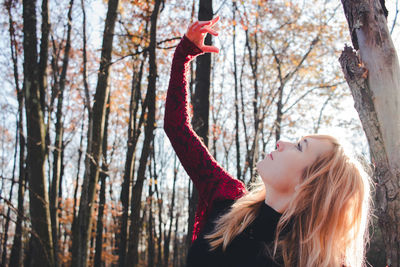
198, 31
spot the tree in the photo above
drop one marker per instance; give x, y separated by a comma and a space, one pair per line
84, 220
102, 193
132, 257
41, 244
133, 136
201, 105
373, 75
58, 143
16, 255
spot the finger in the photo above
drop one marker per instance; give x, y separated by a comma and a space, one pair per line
210, 49
202, 24
210, 31
214, 20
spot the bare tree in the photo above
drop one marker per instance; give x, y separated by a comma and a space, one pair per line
58, 143
167, 236
235, 75
81, 234
102, 193
41, 244
373, 75
133, 136
201, 105
15, 257
132, 257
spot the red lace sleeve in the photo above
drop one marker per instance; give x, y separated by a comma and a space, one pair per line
210, 179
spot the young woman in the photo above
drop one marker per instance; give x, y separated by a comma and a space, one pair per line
310, 207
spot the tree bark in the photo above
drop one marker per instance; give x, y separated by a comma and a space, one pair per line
238, 168
15, 257
133, 135
175, 259
41, 240
373, 76
167, 237
150, 225
154, 175
88, 108
44, 54
58, 143
133, 253
8, 218
102, 193
252, 155
83, 229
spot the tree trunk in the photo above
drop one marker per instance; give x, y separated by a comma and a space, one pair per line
16, 251
175, 259
252, 155
279, 113
41, 241
58, 143
132, 257
238, 169
102, 194
150, 226
374, 80
7, 224
160, 210
88, 108
15, 257
83, 229
167, 237
44, 48
133, 135
201, 106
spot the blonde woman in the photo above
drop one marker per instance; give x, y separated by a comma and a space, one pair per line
310, 207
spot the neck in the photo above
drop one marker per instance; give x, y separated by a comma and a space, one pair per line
276, 200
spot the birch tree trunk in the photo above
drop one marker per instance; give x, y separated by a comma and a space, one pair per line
373, 75
83, 227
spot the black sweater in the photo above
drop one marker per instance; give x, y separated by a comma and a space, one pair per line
251, 248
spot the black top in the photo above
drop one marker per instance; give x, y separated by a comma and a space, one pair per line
253, 247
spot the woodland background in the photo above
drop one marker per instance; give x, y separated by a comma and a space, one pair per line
108, 176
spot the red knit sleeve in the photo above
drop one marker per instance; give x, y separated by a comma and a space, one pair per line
210, 179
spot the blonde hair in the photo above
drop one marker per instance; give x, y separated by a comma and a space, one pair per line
328, 215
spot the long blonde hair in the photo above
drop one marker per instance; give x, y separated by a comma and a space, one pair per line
328, 215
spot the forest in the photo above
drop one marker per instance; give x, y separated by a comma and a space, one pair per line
88, 176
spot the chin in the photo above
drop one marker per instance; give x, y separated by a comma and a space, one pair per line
261, 165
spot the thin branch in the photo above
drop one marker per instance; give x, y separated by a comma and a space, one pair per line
395, 17
309, 91
147, 49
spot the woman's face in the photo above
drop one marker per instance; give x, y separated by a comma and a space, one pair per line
281, 170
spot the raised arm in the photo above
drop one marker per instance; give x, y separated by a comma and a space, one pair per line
210, 179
